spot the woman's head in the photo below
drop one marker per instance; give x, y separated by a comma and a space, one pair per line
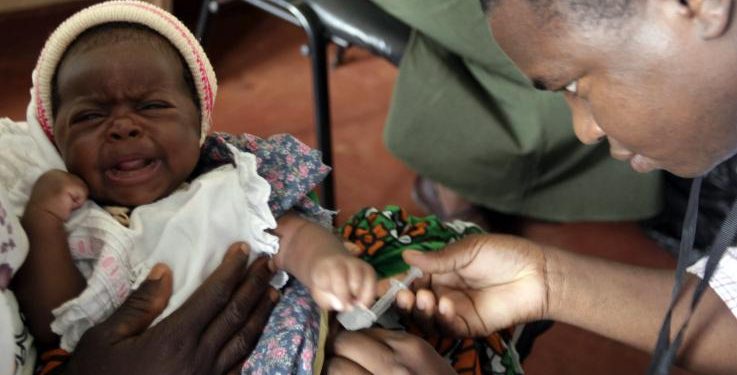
126, 94
654, 77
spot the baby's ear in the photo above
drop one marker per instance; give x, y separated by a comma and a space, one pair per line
712, 16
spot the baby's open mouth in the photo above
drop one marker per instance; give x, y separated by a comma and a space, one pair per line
133, 170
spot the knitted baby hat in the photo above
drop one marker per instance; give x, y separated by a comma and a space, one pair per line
130, 11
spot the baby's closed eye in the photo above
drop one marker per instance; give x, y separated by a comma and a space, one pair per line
153, 105
87, 117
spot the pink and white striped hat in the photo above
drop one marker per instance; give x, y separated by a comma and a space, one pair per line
130, 11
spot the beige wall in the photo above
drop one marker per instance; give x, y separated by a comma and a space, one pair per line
14, 5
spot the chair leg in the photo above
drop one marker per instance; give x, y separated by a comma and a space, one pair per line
318, 56
208, 6
339, 55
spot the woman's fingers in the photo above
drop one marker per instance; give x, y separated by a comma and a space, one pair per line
365, 351
141, 307
398, 352
240, 346
405, 301
425, 310
344, 366
453, 257
240, 306
215, 293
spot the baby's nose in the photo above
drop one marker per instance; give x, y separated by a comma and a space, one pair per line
124, 128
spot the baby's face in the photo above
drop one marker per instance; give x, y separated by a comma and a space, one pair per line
126, 122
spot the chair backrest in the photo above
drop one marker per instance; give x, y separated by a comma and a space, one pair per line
364, 24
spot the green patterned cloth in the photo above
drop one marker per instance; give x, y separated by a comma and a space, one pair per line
380, 236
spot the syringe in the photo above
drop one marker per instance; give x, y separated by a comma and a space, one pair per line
360, 317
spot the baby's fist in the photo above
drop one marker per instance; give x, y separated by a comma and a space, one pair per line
57, 193
341, 281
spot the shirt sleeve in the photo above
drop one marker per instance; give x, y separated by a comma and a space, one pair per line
724, 280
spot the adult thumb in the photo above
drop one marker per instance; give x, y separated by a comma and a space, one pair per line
143, 305
451, 258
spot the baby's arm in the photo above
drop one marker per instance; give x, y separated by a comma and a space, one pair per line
336, 279
48, 276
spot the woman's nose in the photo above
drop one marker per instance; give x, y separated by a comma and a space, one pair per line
584, 124
123, 128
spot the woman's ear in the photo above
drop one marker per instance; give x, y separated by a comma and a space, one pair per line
712, 17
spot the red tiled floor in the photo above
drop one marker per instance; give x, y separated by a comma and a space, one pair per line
264, 89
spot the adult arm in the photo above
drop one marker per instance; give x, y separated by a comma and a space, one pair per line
213, 332
628, 304
483, 283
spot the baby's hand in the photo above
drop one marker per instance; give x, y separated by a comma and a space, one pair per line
340, 281
57, 193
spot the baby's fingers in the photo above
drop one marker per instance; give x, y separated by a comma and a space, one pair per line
78, 195
340, 285
327, 300
362, 282
331, 287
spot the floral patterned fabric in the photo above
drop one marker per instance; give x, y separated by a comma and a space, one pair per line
292, 169
289, 342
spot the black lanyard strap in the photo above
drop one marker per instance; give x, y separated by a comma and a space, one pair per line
665, 351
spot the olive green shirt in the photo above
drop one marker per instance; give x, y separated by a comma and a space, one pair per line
463, 115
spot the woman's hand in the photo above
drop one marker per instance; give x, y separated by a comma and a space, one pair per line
380, 351
212, 333
479, 284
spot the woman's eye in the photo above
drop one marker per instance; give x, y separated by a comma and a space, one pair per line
572, 87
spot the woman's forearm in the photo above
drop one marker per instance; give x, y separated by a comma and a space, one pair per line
628, 303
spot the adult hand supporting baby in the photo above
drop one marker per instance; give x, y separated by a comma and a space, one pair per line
380, 351
479, 284
212, 333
